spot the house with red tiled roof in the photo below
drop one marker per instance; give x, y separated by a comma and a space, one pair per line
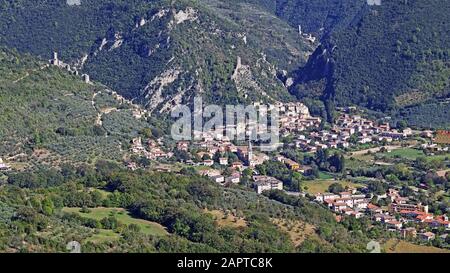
208, 162
345, 194
394, 224
374, 209
356, 214
421, 218
427, 236
439, 221
411, 214
223, 161
338, 207
237, 165
329, 202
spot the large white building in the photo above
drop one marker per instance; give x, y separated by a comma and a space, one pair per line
266, 183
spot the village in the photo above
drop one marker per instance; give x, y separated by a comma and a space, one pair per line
355, 135
403, 215
225, 162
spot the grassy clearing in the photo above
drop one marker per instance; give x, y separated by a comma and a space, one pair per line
442, 157
396, 246
103, 235
325, 176
361, 158
408, 153
123, 216
298, 231
358, 163
321, 186
229, 220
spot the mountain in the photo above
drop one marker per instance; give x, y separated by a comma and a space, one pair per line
319, 17
164, 52
392, 58
51, 116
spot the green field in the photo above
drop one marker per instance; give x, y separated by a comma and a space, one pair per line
408, 153
325, 176
321, 186
123, 216
439, 157
103, 235
359, 163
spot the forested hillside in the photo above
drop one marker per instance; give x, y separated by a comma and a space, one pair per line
52, 116
108, 209
163, 52
319, 17
389, 57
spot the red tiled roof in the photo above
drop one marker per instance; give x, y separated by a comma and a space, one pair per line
412, 212
372, 206
443, 222
422, 216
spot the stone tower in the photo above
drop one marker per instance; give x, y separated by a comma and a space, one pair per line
86, 78
55, 60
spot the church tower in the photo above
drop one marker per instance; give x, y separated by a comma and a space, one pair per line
250, 153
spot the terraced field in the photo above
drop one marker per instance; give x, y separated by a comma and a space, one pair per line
395, 246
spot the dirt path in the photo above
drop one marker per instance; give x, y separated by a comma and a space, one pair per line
27, 74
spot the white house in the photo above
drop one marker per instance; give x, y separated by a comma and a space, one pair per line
235, 179
218, 178
223, 161
208, 162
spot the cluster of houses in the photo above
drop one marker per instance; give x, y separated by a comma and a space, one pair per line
209, 146
400, 215
216, 176
245, 158
340, 135
152, 151
348, 203
295, 118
